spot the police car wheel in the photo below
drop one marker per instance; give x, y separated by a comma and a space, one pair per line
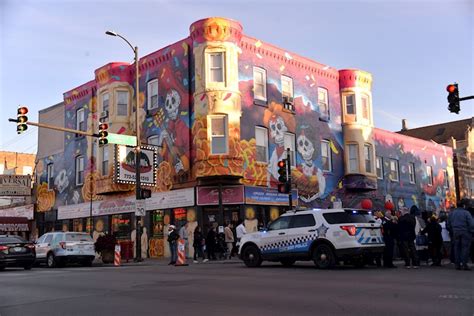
287, 262
323, 257
252, 257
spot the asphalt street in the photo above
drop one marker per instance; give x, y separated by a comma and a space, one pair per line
154, 288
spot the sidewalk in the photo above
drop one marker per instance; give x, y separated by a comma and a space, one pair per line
162, 262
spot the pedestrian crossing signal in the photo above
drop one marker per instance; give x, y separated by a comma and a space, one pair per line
21, 119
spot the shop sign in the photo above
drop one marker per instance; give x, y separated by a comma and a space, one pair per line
125, 165
14, 224
170, 199
268, 196
13, 185
230, 195
19, 211
179, 214
116, 206
74, 211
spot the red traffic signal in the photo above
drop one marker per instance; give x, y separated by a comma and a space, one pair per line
103, 133
22, 110
282, 171
451, 88
21, 119
453, 98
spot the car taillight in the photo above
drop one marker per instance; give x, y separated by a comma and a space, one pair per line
3, 248
62, 244
350, 229
30, 246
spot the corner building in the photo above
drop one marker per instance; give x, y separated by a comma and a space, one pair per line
221, 108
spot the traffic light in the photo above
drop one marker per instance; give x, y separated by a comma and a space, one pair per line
21, 119
453, 98
145, 193
284, 185
103, 133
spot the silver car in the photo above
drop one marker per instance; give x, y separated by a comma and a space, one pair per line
60, 248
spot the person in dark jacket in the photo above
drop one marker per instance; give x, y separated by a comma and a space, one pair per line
435, 240
173, 237
197, 244
461, 225
407, 236
389, 227
211, 243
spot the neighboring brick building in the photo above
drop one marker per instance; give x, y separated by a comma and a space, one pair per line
221, 107
458, 135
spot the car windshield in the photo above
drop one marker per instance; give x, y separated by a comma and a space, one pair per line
349, 216
11, 240
78, 237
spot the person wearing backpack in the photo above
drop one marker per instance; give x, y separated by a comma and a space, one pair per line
173, 237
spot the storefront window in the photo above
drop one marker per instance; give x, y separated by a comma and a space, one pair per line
101, 226
158, 223
122, 226
78, 225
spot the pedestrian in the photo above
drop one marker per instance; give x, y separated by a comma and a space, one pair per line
198, 244
389, 227
183, 234
461, 225
446, 235
435, 240
173, 242
240, 231
229, 239
211, 243
407, 236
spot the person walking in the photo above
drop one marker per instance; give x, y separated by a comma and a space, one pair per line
461, 224
211, 243
229, 239
240, 232
173, 237
183, 234
446, 235
407, 236
389, 226
435, 240
197, 244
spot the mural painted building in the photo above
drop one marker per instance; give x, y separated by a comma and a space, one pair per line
221, 108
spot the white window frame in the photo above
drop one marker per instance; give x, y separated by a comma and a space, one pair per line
290, 142
411, 173
323, 103
105, 102
79, 170
365, 109
104, 160
263, 73
446, 179
119, 106
289, 80
212, 134
351, 150
429, 173
394, 170
50, 175
368, 158
80, 120
151, 87
326, 155
261, 142
211, 67
379, 166
353, 104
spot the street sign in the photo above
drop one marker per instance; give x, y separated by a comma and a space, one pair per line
140, 209
122, 139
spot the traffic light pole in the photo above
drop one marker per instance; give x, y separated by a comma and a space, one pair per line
288, 177
57, 128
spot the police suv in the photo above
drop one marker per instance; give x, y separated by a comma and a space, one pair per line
326, 236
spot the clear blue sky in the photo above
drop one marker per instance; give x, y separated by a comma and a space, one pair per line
412, 48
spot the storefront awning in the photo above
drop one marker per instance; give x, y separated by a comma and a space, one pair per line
14, 224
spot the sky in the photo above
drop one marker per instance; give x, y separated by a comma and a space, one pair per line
413, 49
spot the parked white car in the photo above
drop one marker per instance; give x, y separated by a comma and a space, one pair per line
326, 236
60, 248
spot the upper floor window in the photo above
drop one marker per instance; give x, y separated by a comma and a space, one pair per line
394, 175
326, 155
323, 102
350, 104
105, 102
218, 134
368, 158
379, 167
79, 170
122, 103
446, 179
411, 172
365, 106
429, 174
50, 175
80, 121
216, 66
152, 93
286, 86
353, 150
261, 139
259, 84
153, 140
290, 143
105, 159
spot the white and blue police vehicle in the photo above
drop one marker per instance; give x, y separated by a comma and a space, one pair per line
326, 236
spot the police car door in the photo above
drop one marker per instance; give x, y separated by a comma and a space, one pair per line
274, 240
301, 234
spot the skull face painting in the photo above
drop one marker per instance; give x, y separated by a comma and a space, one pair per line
305, 148
62, 181
172, 102
277, 130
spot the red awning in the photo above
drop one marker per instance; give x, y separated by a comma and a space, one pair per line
14, 224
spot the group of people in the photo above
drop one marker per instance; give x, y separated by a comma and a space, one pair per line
453, 234
207, 246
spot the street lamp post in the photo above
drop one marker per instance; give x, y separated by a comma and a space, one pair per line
137, 148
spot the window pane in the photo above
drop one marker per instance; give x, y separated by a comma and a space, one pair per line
105, 102
368, 158
290, 143
323, 102
393, 170
261, 138
326, 156
217, 75
350, 108
219, 145
280, 223
286, 86
365, 107
306, 220
218, 126
153, 94
216, 67
446, 179
379, 167
122, 103
430, 175
353, 158
259, 83
411, 171
216, 60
